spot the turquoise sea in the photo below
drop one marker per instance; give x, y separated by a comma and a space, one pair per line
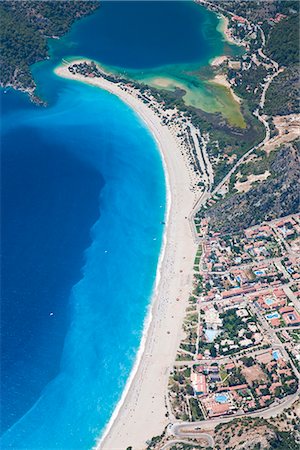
83, 206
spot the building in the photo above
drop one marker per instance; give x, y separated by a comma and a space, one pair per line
290, 316
199, 383
215, 409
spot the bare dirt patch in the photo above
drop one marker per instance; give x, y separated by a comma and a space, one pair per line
254, 373
245, 186
288, 128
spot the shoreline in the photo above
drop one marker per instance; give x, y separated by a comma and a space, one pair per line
150, 312
221, 80
218, 60
141, 410
223, 28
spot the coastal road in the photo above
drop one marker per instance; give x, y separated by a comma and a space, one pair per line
222, 360
248, 153
266, 413
188, 431
259, 111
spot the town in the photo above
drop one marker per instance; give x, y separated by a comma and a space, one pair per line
241, 350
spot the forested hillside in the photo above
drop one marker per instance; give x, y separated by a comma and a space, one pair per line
283, 94
283, 41
278, 196
25, 27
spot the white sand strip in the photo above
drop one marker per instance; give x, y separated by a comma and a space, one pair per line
141, 413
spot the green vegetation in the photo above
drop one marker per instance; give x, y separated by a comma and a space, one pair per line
248, 83
260, 164
283, 94
295, 335
231, 323
182, 446
283, 41
151, 444
25, 27
195, 410
284, 441
275, 197
236, 377
262, 434
225, 140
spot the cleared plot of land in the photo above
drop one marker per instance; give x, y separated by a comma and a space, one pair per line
253, 373
245, 186
288, 128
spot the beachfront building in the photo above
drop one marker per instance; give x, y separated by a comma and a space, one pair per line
199, 383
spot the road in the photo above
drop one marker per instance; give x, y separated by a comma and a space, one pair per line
222, 360
266, 413
205, 436
278, 406
259, 111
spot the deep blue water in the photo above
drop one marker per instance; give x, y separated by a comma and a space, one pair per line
144, 34
40, 202
83, 200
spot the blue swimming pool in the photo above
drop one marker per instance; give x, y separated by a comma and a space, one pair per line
211, 335
273, 315
259, 272
222, 398
276, 354
269, 301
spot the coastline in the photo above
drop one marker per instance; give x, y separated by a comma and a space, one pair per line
141, 411
218, 60
223, 27
221, 80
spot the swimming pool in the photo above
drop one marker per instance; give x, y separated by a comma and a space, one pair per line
259, 272
273, 315
222, 398
276, 354
269, 301
210, 335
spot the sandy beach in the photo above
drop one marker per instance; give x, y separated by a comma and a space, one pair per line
142, 411
224, 28
218, 60
221, 79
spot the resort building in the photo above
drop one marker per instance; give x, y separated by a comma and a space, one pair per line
199, 383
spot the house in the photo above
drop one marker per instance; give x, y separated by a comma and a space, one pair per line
274, 386
242, 313
245, 342
238, 19
229, 367
199, 383
264, 399
290, 316
215, 409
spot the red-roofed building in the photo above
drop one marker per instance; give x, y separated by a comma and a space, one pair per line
233, 388
291, 317
199, 383
238, 19
229, 367
275, 322
274, 386
215, 409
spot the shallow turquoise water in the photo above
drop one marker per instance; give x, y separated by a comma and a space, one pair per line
104, 311
84, 204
